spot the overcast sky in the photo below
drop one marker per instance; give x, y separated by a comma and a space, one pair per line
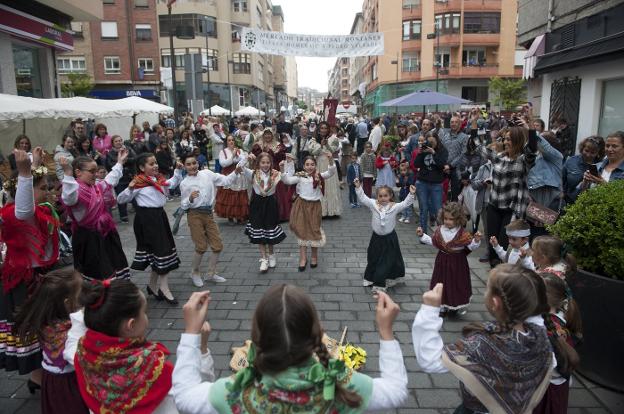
326, 17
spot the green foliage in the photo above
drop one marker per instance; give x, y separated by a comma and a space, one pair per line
510, 92
593, 227
79, 84
302, 105
394, 140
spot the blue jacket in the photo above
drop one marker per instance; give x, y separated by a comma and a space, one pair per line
573, 171
547, 168
404, 184
351, 176
617, 174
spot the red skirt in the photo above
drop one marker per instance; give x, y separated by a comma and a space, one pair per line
452, 270
555, 400
232, 204
60, 394
284, 194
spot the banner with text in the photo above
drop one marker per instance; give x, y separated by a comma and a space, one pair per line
290, 44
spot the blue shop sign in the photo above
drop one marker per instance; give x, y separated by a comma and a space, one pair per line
124, 93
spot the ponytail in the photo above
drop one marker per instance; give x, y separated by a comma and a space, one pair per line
350, 398
567, 357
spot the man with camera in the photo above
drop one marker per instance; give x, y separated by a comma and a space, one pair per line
454, 140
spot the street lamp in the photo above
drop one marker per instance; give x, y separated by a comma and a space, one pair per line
183, 32
396, 86
436, 35
208, 70
229, 84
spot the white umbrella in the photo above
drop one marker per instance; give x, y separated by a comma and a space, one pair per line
248, 111
216, 110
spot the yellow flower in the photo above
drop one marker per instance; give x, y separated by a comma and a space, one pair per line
354, 357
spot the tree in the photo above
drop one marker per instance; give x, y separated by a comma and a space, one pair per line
79, 84
302, 105
511, 92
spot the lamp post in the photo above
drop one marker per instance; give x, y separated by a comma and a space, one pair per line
208, 70
229, 84
436, 35
174, 90
396, 86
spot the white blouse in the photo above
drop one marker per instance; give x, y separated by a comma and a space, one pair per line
149, 196
69, 192
227, 158
448, 235
192, 396
204, 182
514, 256
305, 185
384, 217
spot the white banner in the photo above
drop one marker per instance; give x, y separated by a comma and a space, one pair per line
287, 44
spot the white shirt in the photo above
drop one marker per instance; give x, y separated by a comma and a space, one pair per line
69, 192
375, 137
384, 217
149, 196
448, 235
305, 185
204, 182
514, 256
227, 158
192, 396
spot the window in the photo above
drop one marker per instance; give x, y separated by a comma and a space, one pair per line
345, 83
239, 6
203, 25
411, 29
242, 63
141, 3
612, 107
345, 72
481, 22
76, 64
109, 30
236, 33
443, 58
112, 65
147, 64
108, 1
165, 61
448, 22
143, 31
212, 58
345, 61
410, 4
411, 62
260, 72
243, 97
76, 27
475, 93
473, 57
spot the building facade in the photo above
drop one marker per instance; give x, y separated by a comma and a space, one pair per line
575, 63
119, 53
453, 46
357, 88
32, 34
311, 97
234, 79
339, 80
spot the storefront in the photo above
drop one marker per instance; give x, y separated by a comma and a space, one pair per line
150, 94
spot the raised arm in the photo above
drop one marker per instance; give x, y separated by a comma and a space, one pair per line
24, 193
428, 344
363, 198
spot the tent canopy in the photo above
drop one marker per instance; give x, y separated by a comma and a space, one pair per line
216, 110
249, 111
423, 98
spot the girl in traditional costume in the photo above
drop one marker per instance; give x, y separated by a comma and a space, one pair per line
46, 314
155, 245
232, 201
270, 145
503, 366
331, 202
451, 263
117, 369
263, 227
306, 213
283, 375
97, 249
384, 261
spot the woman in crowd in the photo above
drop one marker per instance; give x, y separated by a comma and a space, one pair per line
612, 167
430, 163
102, 142
22, 142
136, 140
128, 172
331, 202
576, 165
65, 150
165, 159
85, 149
232, 200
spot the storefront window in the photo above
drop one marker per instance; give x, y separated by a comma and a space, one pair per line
27, 72
612, 108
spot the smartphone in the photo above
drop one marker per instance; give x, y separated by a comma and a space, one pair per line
593, 170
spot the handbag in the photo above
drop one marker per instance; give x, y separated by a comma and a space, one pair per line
541, 214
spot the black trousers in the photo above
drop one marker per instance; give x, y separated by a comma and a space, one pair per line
497, 219
360, 145
455, 184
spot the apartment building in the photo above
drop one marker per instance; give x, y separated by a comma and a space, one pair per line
339, 80
234, 79
356, 65
120, 53
453, 46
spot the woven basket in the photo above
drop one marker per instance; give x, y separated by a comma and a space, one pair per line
5, 170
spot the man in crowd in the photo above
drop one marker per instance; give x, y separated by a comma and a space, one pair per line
454, 140
301, 145
376, 134
362, 135
284, 127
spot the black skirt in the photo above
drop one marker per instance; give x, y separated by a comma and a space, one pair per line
263, 226
60, 394
155, 244
99, 257
384, 259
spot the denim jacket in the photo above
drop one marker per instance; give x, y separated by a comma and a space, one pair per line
547, 168
617, 174
573, 171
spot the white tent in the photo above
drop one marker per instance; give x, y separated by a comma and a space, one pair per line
45, 120
248, 111
216, 110
346, 109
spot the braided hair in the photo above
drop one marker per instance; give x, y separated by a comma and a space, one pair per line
286, 332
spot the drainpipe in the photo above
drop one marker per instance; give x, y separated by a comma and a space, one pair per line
550, 16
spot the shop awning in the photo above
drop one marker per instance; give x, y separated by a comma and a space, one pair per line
589, 53
530, 59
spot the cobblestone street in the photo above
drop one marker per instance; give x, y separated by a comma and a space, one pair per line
336, 289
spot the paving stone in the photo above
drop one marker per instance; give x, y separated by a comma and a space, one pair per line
438, 398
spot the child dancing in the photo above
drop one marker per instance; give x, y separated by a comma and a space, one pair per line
46, 314
198, 197
503, 366
98, 253
384, 261
306, 213
518, 232
451, 263
155, 245
263, 227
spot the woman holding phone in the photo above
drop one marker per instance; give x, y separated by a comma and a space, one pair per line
576, 165
612, 167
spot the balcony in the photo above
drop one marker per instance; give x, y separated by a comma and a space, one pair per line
449, 71
414, 12
412, 44
481, 39
482, 5
479, 71
441, 6
448, 39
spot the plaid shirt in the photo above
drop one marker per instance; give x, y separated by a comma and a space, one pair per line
455, 144
509, 177
367, 161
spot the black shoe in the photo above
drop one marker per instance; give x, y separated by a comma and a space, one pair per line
32, 386
151, 292
302, 268
172, 301
125, 220
313, 265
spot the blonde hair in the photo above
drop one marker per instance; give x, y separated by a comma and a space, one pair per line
454, 210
